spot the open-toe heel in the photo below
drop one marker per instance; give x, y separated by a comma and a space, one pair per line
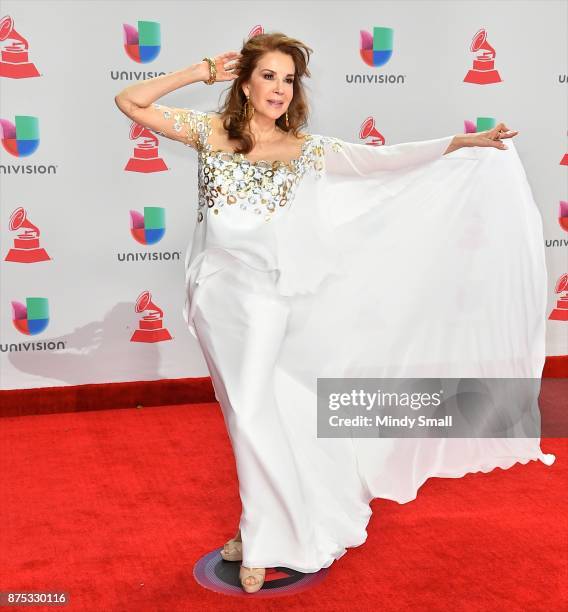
232, 550
257, 573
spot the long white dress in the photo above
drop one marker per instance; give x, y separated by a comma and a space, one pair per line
356, 261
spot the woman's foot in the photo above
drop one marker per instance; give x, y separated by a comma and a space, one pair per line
252, 578
233, 549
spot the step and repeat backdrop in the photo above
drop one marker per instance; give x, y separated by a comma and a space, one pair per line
97, 214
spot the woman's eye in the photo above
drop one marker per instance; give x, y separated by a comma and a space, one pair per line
288, 80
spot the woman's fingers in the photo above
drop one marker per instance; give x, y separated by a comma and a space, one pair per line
228, 63
232, 59
498, 144
508, 131
510, 134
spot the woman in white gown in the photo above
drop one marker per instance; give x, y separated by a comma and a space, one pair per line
314, 257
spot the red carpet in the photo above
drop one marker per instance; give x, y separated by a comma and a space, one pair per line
132, 394
115, 507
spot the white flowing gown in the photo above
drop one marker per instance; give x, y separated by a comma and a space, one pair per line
356, 261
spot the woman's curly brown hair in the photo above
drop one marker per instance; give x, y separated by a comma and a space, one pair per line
232, 110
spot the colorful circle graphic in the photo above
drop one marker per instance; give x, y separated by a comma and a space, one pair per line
214, 573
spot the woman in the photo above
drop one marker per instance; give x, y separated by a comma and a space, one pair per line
309, 257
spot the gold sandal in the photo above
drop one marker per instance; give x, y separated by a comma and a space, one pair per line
258, 573
232, 550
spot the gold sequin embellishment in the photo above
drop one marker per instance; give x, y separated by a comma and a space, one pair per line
226, 178
260, 187
197, 124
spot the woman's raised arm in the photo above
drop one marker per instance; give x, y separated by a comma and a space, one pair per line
138, 101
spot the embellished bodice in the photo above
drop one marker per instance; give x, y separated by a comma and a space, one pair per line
241, 201
228, 179
258, 187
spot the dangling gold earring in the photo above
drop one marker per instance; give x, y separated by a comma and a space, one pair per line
287, 125
246, 110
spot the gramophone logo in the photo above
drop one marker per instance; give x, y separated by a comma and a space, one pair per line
368, 131
22, 139
563, 215
150, 227
564, 160
481, 125
150, 326
255, 31
376, 48
145, 158
560, 313
26, 247
483, 71
142, 45
14, 62
32, 317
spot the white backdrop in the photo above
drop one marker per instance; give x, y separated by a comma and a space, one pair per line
76, 192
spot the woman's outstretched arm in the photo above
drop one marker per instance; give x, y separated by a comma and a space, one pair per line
360, 159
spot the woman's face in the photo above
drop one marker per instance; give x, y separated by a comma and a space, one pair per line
271, 80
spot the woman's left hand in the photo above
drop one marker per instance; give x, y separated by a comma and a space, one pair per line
489, 138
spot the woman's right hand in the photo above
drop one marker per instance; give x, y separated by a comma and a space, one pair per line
226, 64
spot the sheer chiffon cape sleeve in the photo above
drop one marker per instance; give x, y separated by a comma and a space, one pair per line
403, 261
347, 180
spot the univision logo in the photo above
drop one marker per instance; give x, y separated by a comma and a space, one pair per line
133, 75
563, 215
21, 139
481, 124
563, 222
31, 319
375, 50
148, 228
142, 45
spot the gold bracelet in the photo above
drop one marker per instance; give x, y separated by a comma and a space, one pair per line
212, 70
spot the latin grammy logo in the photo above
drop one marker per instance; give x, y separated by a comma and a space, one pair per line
255, 30
150, 327
14, 62
560, 313
483, 71
368, 130
145, 158
26, 244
